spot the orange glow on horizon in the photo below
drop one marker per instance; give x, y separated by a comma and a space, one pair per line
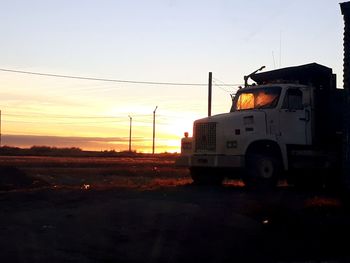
92, 120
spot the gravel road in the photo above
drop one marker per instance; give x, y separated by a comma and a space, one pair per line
184, 223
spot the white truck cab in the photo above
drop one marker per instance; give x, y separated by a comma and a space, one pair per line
272, 127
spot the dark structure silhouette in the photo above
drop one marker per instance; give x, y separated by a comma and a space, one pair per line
345, 9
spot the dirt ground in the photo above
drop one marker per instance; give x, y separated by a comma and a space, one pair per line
146, 210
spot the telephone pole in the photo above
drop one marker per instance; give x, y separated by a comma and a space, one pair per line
154, 127
345, 9
210, 81
130, 133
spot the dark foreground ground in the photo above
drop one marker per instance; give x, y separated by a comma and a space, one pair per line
171, 221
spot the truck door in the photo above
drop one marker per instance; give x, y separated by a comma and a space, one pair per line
294, 118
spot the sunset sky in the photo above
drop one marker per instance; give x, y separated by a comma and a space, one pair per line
156, 40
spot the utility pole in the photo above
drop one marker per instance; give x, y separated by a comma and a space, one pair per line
130, 133
345, 9
154, 127
210, 82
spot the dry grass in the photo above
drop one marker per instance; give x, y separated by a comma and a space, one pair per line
100, 172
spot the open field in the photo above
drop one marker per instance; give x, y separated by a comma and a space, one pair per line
100, 172
146, 210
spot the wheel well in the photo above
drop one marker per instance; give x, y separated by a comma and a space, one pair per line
265, 147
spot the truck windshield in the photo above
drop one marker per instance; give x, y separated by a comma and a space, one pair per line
256, 98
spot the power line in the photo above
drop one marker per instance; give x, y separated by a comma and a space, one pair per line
90, 124
57, 116
108, 80
99, 121
224, 84
100, 79
60, 123
215, 84
37, 115
111, 118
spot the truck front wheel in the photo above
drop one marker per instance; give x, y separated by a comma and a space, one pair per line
262, 171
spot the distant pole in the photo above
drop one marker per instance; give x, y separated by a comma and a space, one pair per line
209, 93
0, 130
154, 128
130, 133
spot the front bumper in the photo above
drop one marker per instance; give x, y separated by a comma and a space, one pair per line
222, 161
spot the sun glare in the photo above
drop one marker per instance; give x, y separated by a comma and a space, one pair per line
178, 127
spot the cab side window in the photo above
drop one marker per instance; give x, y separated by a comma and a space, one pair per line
293, 100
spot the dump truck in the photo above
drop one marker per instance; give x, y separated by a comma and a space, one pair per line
287, 124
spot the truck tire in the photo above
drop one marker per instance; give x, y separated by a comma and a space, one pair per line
262, 171
206, 176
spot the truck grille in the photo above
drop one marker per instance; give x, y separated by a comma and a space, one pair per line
205, 136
